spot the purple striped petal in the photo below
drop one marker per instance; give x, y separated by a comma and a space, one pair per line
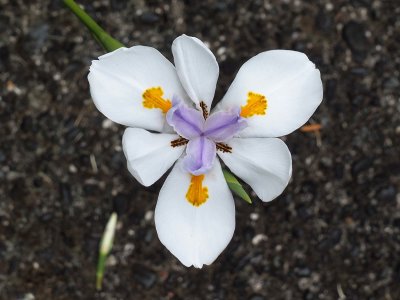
187, 122
222, 126
200, 155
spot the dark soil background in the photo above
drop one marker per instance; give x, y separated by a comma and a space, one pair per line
333, 234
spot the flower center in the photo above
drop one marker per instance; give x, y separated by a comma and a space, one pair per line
203, 134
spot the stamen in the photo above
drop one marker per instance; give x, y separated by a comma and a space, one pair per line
225, 148
179, 142
204, 109
256, 105
197, 194
152, 98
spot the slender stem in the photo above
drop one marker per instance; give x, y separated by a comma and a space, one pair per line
109, 43
101, 263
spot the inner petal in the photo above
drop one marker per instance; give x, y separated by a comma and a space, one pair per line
200, 155
223, 125
187, 122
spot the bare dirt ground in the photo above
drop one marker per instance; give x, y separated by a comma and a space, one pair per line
335, 231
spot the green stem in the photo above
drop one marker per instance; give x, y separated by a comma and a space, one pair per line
101, 264
109, 43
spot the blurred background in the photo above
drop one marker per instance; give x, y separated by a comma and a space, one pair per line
333, 234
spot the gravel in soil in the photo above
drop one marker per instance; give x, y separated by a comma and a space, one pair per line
335, 231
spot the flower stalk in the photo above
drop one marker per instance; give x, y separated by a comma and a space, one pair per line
102, 37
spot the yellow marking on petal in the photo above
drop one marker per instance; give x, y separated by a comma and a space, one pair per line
152, 98
256, 105
197, 194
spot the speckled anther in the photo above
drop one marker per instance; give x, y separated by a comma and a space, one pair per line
179, 142
204, 109
225, 148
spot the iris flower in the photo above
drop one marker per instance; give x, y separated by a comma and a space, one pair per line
167, 111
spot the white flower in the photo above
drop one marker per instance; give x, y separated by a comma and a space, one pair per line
273, 94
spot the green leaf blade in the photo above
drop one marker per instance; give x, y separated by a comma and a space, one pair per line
235, 186
105, 247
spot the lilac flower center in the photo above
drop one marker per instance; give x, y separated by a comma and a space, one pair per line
203, 135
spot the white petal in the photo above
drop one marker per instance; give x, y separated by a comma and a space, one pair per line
291, 84
197, 68
119, 79
196, 235
263, 163
149, 155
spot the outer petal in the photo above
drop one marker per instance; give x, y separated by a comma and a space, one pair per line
291, 84
149, 155
195, 235
197, 68
200, 155
119, 79
263, 163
